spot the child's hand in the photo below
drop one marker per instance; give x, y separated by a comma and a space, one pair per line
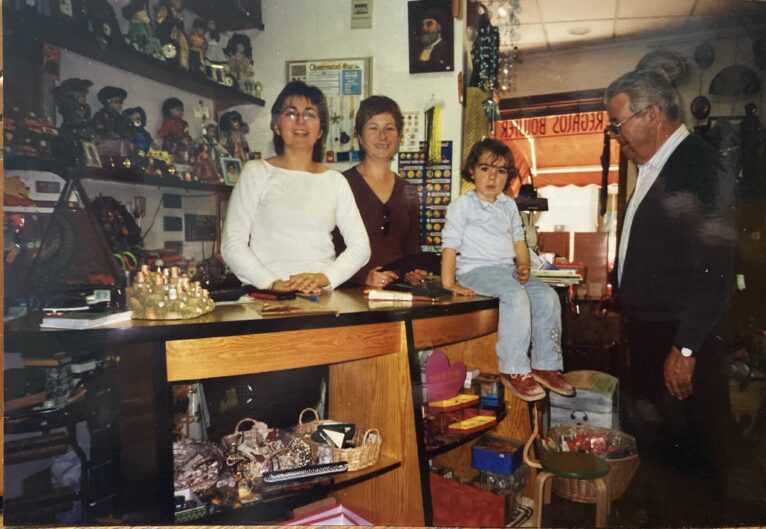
461, 291
523, 272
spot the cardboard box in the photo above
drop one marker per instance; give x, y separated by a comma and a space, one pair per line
596, 402
500, 455
195, 512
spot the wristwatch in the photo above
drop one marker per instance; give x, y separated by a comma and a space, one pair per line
686, 352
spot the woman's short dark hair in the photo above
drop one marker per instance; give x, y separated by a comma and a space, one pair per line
372, 106
497, 148
317, 98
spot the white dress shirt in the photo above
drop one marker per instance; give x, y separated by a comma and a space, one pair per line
647, 175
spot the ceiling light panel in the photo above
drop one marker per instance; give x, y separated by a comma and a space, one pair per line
571, 10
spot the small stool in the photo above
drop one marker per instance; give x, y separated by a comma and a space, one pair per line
571, 465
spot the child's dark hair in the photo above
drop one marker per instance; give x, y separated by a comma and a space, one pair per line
317, 98
496, 147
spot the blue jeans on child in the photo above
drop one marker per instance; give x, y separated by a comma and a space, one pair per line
526, 311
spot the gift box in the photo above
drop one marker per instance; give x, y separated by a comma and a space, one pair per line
459, 504
496, 454
337, 515
491, 390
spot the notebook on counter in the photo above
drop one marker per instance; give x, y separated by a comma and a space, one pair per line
84, 320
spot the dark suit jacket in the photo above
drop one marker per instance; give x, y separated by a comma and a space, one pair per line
679, 261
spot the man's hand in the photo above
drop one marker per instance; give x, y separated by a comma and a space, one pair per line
678, 373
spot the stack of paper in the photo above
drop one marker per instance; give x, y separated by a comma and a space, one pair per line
558, 277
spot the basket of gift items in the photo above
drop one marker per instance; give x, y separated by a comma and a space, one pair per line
334, 442
617, 448
254, 462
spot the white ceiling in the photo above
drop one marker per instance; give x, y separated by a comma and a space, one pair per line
555, 24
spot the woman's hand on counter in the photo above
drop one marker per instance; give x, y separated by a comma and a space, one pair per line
379, 279
306, 282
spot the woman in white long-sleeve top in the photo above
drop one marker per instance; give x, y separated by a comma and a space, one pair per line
283, 210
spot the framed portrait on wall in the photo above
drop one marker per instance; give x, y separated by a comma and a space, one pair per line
431, 36
231, 167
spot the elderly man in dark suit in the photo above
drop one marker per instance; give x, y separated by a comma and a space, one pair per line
674, 269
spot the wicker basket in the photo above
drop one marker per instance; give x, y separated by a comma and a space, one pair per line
620, 473
365, 452
307, 428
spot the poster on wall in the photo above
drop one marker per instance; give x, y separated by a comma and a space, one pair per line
345, 82
411, 132
434, 185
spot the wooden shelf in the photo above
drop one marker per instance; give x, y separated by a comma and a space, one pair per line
269, 510
453, 441
123, 176
119, 55
228, 16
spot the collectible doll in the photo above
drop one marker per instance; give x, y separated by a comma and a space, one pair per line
240, 53
140, 30
233, 133
108, 122
72, 100
170, 30
174, 131
135, 119
209, 139
215, 54
197, 47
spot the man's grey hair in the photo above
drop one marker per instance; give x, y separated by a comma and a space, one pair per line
645, 88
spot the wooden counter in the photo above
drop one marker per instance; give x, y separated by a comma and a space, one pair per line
372, 358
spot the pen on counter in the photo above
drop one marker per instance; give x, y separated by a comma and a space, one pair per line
310, 297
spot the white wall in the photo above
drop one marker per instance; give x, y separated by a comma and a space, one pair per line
308, 29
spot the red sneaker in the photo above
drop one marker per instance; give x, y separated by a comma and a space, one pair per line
523, 386
554, 381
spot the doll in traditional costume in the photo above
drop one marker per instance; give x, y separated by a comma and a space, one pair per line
140, 32
197, 47
174, 131
240, 53
233, 133
170, 30
108, 122
72, 101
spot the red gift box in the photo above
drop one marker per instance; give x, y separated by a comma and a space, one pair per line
457, 504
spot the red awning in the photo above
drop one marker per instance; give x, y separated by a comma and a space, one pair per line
567, 148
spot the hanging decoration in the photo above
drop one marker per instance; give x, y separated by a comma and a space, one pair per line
704, 56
